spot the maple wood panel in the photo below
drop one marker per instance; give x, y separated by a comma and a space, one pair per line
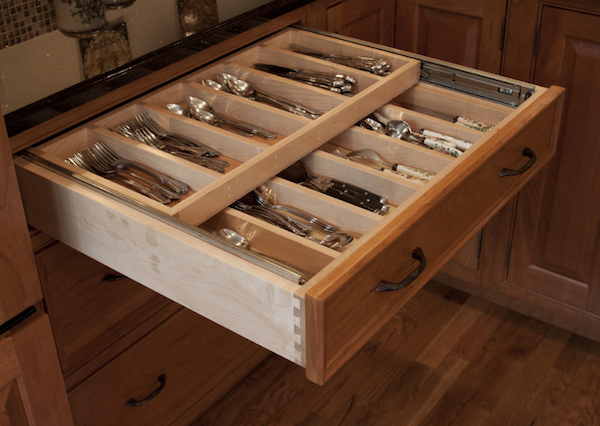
557, 230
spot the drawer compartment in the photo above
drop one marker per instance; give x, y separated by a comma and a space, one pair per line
163, 375
173, 249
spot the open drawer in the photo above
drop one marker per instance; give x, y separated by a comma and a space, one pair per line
311, 303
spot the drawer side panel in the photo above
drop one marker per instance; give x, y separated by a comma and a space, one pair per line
219, 286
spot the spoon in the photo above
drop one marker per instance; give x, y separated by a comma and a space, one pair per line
275, 265
398, 129
234, 238
241, 88
196, 104
178, 109
298, 173
210, 118
213, 84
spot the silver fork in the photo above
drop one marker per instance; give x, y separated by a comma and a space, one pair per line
136, 130
78, 160
264, 198
144, 120
97, 162
104, 152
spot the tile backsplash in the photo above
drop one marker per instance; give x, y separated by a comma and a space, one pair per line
22, 20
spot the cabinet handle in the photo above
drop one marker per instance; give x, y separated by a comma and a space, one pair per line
113, 277
418, 255
136, 403
527, 153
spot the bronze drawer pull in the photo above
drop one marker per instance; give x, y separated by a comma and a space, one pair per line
417, 254
113, 277
136, 403
527, 153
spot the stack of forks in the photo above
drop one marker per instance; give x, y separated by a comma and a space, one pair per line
144, 129
101, 160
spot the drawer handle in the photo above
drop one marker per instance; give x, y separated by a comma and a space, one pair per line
113, 277
418, 255
136, 403
527, 153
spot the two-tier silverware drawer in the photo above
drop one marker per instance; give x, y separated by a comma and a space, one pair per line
322, 321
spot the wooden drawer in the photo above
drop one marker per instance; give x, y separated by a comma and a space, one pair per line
320, 324
95, 312
169, 375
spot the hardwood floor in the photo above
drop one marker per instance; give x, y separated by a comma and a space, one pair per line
445, 359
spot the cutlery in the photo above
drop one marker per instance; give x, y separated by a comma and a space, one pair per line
196, 105
370, 154
298, 173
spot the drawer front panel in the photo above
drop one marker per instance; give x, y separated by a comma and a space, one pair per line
344, 316
95, 311
189, 354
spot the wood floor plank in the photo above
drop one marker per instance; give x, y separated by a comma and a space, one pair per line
447, 359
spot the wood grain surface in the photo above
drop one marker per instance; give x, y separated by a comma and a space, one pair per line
445, 358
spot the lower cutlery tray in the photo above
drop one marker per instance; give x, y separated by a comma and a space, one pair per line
310, 302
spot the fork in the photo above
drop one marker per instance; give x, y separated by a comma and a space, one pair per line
78, 160
144, 120
103, 152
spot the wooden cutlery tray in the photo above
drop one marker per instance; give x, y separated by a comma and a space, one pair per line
321, 324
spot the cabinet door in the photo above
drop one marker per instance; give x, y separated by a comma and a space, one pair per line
556, 250
465, 32
31, 388
19, 284
371, 21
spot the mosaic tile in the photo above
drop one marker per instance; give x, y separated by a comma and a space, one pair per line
22, 20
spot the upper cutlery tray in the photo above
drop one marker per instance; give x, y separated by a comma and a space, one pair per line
433, 199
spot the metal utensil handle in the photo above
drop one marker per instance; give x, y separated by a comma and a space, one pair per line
418, 255
532, 159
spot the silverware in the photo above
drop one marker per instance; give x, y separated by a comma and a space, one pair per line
370, 154
240, 242
241, 88
264, 198
376, 66
344, 191
144, 129
339, 83
199, 107
94, 159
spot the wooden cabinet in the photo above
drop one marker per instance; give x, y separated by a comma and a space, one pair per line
168, 377
95, 312
542, 255
173, 250
371, 21
469, 33
31, 387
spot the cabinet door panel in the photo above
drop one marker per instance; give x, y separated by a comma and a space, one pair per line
19, 284
31, 388
556, 248
370, 21
466, 33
